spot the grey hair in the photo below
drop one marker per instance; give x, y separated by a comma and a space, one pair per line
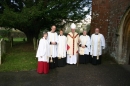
97, 28
84, 30
45, 32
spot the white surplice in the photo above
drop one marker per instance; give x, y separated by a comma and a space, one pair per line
43, 50
97, 44
84, 40
62, 46
53, 37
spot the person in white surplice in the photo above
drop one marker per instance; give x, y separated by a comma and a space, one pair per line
62, 48
43, 55
97, 44
84, 48
72, 45
53, 39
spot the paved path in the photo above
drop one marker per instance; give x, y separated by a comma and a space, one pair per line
71, 75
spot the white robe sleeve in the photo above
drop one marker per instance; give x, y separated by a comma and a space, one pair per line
91, 40
48, 38
80, 38
102, 41
66, 42
88, 43
56, 38
41, 49
48, 49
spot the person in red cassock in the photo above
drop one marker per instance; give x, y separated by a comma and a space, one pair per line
43, 55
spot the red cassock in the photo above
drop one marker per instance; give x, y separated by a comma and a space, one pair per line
42, 55
43, 67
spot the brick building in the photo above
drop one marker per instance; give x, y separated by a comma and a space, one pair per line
113, 19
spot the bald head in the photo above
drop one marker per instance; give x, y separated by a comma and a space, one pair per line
96, 30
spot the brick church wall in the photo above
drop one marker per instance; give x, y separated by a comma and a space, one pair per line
100, 15
107, 15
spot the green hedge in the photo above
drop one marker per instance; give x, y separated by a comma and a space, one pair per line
3, 33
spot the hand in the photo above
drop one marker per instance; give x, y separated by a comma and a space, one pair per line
103, 47
54, 43
83, 46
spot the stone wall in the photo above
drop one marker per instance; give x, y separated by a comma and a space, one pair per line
107, 15
117, 11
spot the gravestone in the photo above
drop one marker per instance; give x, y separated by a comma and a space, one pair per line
2, 49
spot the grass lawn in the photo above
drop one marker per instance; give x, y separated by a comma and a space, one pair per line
15, 39
19, 58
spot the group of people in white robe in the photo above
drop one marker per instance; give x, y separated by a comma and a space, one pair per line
58, 50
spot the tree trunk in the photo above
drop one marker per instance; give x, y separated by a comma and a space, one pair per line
29, 38
30, 35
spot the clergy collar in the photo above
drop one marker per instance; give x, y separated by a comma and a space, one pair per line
73, 32
96, 33
44, 38
52, 32
84, 35
61, 35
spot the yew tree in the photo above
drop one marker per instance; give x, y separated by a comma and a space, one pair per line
31, 16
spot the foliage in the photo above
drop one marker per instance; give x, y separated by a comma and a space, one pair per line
40, 15
88, 27
3, 33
